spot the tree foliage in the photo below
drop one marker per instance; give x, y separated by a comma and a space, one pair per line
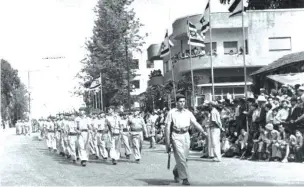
116, 31
271, 4
14, 103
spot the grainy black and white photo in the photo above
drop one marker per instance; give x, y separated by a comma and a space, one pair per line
152, 93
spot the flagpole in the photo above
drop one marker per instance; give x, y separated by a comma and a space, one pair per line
172, 67
244, 51
101, 99
173, 79
192, 81
211, 52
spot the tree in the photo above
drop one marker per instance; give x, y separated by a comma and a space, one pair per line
271, 4
116, 31
13, 94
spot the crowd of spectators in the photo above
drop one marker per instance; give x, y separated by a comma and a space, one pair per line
267, 127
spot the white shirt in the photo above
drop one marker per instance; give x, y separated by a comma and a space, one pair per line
180, 119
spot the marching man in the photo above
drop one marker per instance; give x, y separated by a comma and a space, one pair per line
137, 127
83, 139
178, 122
72, 138
113, 122
102, 137
125, 136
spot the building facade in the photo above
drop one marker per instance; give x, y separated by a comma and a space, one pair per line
142, 70
269, 35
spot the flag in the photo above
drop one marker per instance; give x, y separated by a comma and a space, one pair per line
95, 84
205, 21
165, 46
236, 7
195, 39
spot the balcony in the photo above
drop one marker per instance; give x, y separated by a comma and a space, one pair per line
219, 21
159, 80
219, 61
153, 52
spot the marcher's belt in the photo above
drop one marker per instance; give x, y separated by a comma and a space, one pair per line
102, 131
136, 130
180, 130
72, 134
84, 130
125, 130
115, 134
59, 130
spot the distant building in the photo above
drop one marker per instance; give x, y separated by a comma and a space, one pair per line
142, 70
270, 34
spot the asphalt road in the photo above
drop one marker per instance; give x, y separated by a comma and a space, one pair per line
26, 161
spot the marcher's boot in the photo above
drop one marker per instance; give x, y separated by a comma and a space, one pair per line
114, 162
175, 174
83, 163
186, 182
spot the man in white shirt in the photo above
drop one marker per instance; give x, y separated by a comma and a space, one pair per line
83, 139
113, 122
102, 137
125, 136
178, 122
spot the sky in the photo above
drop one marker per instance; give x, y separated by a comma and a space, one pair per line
32, 30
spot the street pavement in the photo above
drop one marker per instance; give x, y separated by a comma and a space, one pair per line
26, 161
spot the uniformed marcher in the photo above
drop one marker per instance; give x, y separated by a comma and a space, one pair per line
72, 138
125, 135
179, 120
137, 128
102, 137
113, 122
50, 134
83, 139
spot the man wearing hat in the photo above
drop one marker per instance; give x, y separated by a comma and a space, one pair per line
113, 122
137, 128
178, 122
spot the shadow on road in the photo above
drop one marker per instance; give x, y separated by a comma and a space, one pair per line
166, 182
157, 182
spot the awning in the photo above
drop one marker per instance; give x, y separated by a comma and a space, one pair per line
225, 84
290, 78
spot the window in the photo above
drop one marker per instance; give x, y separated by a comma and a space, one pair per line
135, 84
135, 64
279, 43
207, 47
150, 64
230, 48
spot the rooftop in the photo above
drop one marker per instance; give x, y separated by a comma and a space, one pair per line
283, 61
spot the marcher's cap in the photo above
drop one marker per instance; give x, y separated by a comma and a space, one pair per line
301, 88
180, 96
269, 127
261, 99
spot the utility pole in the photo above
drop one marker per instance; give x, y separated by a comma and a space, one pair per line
128, 69
29, 99
0, 94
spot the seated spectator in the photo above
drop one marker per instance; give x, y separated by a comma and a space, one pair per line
288, 145
242, 143
297, 147
278, 143
258, 144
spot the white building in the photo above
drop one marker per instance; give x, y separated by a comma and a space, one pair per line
142, 71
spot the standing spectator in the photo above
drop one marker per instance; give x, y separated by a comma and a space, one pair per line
216, 127
294, 113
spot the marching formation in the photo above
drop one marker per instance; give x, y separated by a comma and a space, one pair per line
98, 134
